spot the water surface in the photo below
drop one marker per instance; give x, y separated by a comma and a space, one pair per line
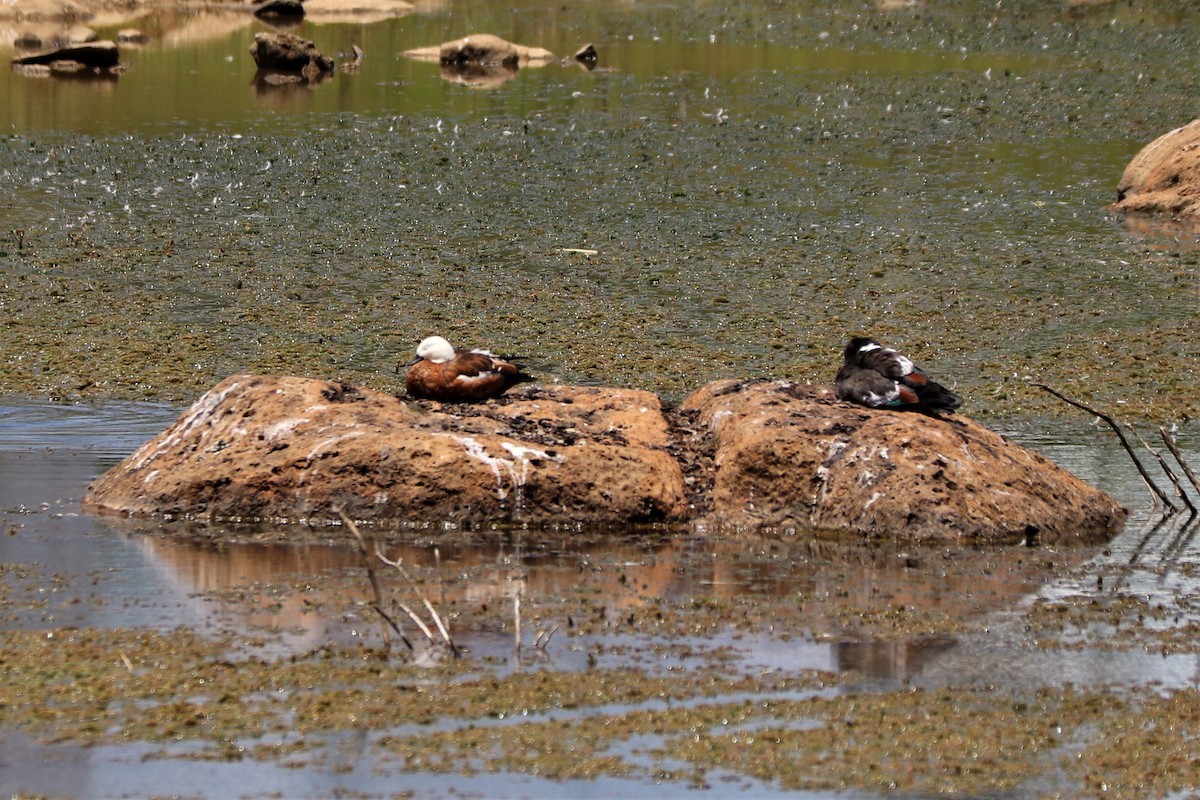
63, 569
757, 183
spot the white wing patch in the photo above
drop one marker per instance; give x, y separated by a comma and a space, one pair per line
876, 399
471, 380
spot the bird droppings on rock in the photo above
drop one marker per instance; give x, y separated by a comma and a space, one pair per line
740, 453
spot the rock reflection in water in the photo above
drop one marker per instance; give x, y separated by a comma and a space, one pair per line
479, 76
879, 611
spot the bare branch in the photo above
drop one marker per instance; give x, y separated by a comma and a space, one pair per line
543, 637
1150, 484
1169, 441
437, 619
1162, 463
420, 623
517, 621
377, 598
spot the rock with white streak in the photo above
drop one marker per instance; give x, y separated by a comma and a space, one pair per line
793, 456
735, 453
280, 448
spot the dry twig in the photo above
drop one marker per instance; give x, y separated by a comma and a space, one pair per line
517, 621
398, 564
1166, 468
1150, 484
1169, 441
543, 638
377, 593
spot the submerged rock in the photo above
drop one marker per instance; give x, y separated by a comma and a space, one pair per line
1164, 177
740, 453
793, 455
99, 55
267, 447
482, 50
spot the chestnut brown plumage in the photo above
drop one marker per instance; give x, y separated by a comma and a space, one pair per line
439, 372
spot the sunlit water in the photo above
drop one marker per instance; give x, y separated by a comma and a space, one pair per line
81, 571
212, 136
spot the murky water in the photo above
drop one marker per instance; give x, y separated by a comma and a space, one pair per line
757, 181
64, 570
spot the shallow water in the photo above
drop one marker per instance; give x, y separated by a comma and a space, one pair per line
757, 182
64, 570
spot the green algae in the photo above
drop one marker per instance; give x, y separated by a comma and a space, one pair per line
645, 685
798, 731
928, 203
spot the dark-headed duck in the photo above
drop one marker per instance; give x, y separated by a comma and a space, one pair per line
439, 372
879, 377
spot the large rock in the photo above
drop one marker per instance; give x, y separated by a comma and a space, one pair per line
790, 455
275, 448
284, 52
1164, 177
738, 453
98, 55
482, 50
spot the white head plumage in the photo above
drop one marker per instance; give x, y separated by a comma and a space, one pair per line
435, 349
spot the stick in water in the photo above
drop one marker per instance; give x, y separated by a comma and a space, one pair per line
1150, 484
377, 601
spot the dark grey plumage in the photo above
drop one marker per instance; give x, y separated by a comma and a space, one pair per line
879, 377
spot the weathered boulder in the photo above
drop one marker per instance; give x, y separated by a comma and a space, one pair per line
285, 9
1164, 177
792, 455
735, 453
100, 55
285, 52
273, 448
483, 50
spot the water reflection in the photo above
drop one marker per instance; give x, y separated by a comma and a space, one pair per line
935, 617
1166, 234
861, 602
888, 612
479, 76
186, 72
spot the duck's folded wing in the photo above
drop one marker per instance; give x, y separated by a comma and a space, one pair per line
867, 387
474, 364
887, 361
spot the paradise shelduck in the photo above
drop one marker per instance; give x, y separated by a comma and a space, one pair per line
879, 377
439, 372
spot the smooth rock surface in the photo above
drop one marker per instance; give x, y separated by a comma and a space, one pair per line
1164, 177
281, 448
791, 455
